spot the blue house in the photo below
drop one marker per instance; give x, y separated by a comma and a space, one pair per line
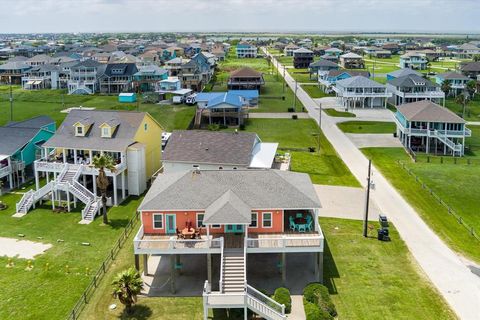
329, 79
20, 145
458, 81
127, 97
148, 76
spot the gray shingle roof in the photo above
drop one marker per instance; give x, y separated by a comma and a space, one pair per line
452, 76
36, 122
207, 147
426, 110
228, 207
359, 82
412, 80
323, 63
12, 140
403, 72
129, 122
258, 189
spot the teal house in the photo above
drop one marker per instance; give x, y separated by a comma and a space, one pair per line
20, 145
149, 76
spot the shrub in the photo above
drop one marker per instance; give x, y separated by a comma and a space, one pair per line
318, 294
291, 110
282, 296
314, 312
242, 127
294, 117
213, 127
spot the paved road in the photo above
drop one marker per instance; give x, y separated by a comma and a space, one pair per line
277, 115
450, 274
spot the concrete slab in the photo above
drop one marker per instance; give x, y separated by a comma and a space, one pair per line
26, 249
345, 203
366, 140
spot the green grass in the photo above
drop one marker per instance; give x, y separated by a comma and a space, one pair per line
370, 279
367, 127
314, 91
324, 168
301, 75
472, 111
50, 294
457, 185
28, 104
335, 113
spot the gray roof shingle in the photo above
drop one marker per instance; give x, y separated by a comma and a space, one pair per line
428, 111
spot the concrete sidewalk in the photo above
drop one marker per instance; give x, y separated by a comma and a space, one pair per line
450, 274
277, 115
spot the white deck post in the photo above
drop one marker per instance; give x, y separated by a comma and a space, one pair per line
145, 264
115, 200
64, 155
94, 185
75, 156
68, 198
37, 181
123, 184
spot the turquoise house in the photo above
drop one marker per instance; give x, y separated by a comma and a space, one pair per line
148, 76
20, 145
127, 97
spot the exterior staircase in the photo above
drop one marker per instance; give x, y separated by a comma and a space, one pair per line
66, 181
233, 266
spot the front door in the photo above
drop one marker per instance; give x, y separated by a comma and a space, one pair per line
234, 228
170, 223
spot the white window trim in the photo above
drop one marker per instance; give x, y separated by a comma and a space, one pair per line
79, 133
196, 220
153, 221
256, 220
271, 220
108, 134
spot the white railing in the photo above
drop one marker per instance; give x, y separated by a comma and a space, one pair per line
18, 165
426, 94
44, 165
220, 282
264, 305
285, 242
5, 171
43, 191
27, 196
363, 94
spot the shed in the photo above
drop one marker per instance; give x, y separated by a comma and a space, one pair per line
127, 97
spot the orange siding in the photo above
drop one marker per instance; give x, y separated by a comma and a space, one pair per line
277, 222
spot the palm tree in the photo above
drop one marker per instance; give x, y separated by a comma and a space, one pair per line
126, 286
446, 87
471, 87
103, 162
463, 99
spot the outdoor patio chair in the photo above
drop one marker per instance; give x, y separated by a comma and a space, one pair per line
179, 234
310, 225
293, 226
198, 233
299, 215
302, 227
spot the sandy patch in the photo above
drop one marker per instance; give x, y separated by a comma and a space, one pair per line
21, 248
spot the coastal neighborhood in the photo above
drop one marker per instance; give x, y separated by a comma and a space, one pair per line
239, 175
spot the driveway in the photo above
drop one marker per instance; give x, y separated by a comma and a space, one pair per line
372, 140
362, 114
450, 274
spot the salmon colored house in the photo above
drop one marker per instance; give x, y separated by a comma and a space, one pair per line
230, 213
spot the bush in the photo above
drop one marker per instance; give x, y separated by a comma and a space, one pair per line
213, 127
318, 294
291, 110
282, 296
242, 127
294, 117
314, 312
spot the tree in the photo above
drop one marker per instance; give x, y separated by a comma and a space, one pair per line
126, 286
102, 163
446, 87
471, 87
463, 99
476, 57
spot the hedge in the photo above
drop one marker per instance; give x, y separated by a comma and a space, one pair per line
314, 312
282, 296
318, 294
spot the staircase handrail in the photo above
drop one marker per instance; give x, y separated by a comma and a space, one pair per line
62, 173
24, 198
276, 307
78, 173
40, 193
220, 283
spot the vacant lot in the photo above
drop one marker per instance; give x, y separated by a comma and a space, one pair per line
367, 127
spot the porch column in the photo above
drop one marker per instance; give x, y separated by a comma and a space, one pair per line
64, 155
123, 184
428, 138
94, 185
48, 177
284, 268
68, 198
145, 264
115, 201
209, 268
137, 262
53, 200
320, 266
37, 181
84, 180
75, 156
172, 274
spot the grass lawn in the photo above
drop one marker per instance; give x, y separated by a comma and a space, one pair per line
28, 104
314, 91
367, 127
324, 167
462, 195
286, 61
41, 288
370, 279
472, 111
335, 113
301, 75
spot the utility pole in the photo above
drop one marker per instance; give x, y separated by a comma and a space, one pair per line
284, 80
367, 200
11, 101
295, 98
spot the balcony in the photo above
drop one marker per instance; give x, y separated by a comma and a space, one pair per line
5, 171
424, 94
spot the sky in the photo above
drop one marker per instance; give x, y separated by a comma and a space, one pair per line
28, 16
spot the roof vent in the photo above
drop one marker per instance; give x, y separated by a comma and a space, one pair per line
196, 171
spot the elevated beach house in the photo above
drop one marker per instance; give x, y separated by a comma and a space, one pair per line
411, 88
302, 58
245, 78
246, 50
359, 91
131, 139
320, 67
227, 219
425, 126
458, 82
413, 60
352, 61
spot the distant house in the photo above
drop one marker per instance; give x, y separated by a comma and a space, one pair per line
45, 76
224, 108
361, 92
411, 88
321, 67
467, 51
148, 77
246, 50
169, 84
352, 61
174, 66
424, 126
84, 77
413, 60
329, 79
191, 76
21, 143
470, 69
289, 49
331, 58
117, 77
402, 72
333, 52
245, 78
302, 58
39, 60
457, 81
381, 54
12, 72
211, 150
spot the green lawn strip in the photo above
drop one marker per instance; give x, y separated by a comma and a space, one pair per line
323, 168
367, 127
315, 92
460, 195
472, 110
335, 113
301, 75
50, 278
370, 279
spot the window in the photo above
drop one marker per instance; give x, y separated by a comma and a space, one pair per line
145, 127
158, 221
79, 131
106, 132
216, 226
267, 220
200, 220
254, 222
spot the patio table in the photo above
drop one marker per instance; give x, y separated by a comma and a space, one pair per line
188, 233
